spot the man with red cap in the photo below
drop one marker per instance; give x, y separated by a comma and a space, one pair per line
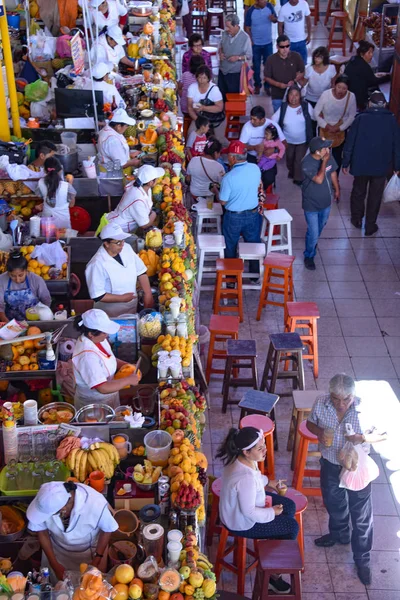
239, 195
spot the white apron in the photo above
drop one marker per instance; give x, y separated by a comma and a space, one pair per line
106, 365
60, 212
134, 202
102, 52
106, 134
115, 10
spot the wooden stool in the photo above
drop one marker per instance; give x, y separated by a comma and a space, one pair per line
300, 471
221, 328
303, 401
339, 17
250, 251
278, 556
338, 61
217, 4
214, 53
268, 426
279, 218
234, 110
314, 11
209, 214
214, 13
276, 266
231, 6
208, 244
271, 201
229, 271
255, 402
330, 9
199, 14
304, 315
240, 354
283, 347
301, 503
213, 526
359, 30
239, 548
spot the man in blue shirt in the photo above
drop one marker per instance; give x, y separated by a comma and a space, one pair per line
239, 195
258, 24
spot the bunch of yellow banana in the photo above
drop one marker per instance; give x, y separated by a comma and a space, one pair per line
101, 456
203, 562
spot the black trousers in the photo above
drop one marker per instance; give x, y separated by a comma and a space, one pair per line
375, 187
337, 154
342, 504
229, 83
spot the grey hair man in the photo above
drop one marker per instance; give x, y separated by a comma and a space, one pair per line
329, 416
235, 48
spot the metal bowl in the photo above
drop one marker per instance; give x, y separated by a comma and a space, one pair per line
145, 487
95, 413
57, 406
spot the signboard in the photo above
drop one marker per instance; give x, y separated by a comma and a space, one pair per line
77, 53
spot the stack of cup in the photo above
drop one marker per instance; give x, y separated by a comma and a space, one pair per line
178, 232
174, 306
30, 412
174, 551
175, 365
177, 168
162, 366
171, 363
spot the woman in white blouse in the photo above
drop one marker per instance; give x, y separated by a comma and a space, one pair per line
245, 508
319, 76
334, 112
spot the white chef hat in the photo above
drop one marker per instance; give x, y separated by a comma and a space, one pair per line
50, 499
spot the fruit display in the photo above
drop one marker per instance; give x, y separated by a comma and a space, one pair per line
151, 260
92, 586
25, 353
153, 238
375, 21
150, 325
100, 456
169, 343
55, 416
45, 271
146, 474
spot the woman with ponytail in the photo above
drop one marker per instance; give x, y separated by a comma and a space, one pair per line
73, 524
58, 195
245, 507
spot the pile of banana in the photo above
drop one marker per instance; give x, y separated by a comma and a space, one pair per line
101, 456
203, 562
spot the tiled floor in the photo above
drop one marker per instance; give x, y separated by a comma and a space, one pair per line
357, 288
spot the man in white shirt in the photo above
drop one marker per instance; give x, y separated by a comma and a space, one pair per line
253, 132
292, 19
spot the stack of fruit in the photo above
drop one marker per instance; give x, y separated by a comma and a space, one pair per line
101, 456
169, 343
147, 474
151, 260
24, 353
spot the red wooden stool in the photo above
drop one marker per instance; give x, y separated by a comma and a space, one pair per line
199, 14
304, 315
301, 503
329, 10
314, 11
268, 426
221, 328
359, 30
278, 556
300, 470
239, 548
229, 271
271, 201
339, 18
233, 111
277, 266
214, 13
213, 528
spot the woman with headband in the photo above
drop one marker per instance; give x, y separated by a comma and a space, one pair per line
58, 195
244, 508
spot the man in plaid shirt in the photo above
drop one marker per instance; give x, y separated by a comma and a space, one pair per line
333, 411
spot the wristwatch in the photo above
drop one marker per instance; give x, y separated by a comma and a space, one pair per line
99, 555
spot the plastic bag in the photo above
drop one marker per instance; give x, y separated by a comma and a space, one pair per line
392, 190
42, 47
50, 254
358, 467
36, 91
348, 457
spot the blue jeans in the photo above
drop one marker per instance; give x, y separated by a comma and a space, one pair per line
276, 104
260, 54
247, 224
301, 48
316, 221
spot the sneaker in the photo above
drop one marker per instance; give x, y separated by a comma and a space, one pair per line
279, 586
356, 223
309, 264
326, 541
256, 90
371, 231
364, 574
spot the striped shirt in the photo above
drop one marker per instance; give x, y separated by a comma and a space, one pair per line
323, 414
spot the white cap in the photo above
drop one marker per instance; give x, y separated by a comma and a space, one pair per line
112, 231
148, 173
96, 3
116, 34
98, 319
100, 70
50, 498
121, 116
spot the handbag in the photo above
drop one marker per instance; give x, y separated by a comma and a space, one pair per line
214, 118
214, 183
338, 137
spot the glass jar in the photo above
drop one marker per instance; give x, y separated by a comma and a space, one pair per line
182, 329
170, 324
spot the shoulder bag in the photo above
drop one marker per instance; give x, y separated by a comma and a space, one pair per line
213, 183
214, 118
339, 136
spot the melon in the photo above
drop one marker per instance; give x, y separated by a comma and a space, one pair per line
170, 580
124, 574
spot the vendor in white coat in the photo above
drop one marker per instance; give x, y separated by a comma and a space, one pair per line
109, 48
111, 143
112, 275
94, 363
73, 524
110, 92
58, 195
105, 13
135, 208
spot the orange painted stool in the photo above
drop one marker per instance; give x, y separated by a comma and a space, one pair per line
268, 426
239, 548
314, 11
359, 30
221, 328
304, 315
340, 18
329, 10
233, 111
213, 527
229, 271
300, 470
276, 266
301, 503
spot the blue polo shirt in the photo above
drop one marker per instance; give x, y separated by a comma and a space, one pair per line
261, 27
239, 187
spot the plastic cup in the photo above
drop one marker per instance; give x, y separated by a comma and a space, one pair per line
178, 235
175, 367
123, 448
175, 535
158, 445
329, 435
174, 353
96, 480
174, 550
127, 487
30, 412
162, 368
210, 202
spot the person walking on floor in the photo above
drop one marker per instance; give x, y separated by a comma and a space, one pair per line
293, 19
258, 24
320, 182
371, 151
282, 70
333, 411
234, 50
